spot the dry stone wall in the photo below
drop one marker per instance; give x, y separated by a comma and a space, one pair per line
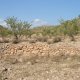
38, 49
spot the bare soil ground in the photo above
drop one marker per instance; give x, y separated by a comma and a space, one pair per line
42, 68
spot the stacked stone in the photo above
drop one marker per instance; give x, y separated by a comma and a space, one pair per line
40, 49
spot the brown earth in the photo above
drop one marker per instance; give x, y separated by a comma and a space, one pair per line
40, 61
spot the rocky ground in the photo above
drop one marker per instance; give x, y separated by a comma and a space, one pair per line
40, 61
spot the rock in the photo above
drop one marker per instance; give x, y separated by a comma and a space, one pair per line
3, 69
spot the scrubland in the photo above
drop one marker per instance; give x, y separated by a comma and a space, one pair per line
40, 53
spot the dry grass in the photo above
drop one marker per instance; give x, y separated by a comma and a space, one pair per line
43, 69
59, 67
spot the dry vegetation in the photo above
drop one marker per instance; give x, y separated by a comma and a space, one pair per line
41, 53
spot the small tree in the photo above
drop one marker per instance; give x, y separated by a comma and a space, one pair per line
17, 26
4, 32
69, 28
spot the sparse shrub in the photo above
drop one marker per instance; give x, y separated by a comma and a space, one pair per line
32, 41
15, 41
72, 38
4, 32
34, 36
6, 41
38, 37
57, 39
50, 41
42, 39
17, 27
